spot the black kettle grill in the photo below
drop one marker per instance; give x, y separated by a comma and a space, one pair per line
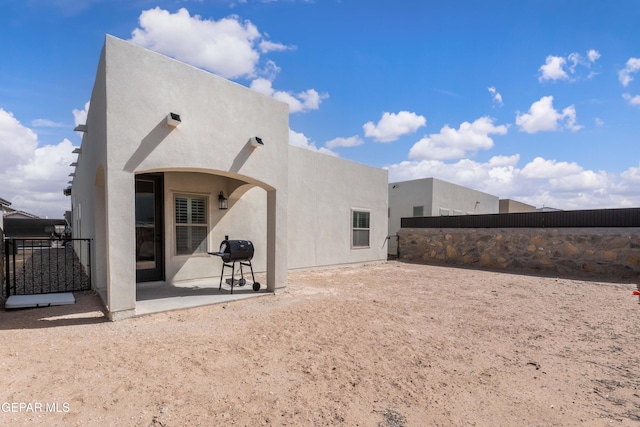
236, 251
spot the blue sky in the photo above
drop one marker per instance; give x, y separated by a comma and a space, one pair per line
537, 101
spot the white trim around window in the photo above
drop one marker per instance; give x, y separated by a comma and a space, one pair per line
191, 224
360, 228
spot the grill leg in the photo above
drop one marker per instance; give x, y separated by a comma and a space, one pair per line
242, 281
233, 273
221, 276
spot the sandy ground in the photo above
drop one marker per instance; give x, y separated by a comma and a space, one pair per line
391, 344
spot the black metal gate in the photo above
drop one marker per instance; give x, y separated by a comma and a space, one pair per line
39, 266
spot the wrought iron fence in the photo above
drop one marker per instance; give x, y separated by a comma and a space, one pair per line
38, 266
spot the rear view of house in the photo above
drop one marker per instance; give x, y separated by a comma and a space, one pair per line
173, 159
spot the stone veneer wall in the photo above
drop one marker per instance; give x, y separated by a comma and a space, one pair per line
607, 253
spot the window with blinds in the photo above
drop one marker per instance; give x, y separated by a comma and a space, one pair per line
360, 229
191, 225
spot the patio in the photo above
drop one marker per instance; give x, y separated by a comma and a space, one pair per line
158, 297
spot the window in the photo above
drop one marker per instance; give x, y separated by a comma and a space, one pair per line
418, 211
191, 225
360, 229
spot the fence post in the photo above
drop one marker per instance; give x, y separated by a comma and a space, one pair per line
1, 254
7, 251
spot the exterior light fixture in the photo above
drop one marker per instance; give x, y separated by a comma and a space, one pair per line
81, 128
173, 119
223, 202
256, 141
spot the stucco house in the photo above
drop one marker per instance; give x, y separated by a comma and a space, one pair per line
4, 206
514, 206
166, 146
434, 197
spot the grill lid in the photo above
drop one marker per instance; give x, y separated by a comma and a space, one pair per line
236, 250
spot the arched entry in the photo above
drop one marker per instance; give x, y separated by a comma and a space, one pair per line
189, 204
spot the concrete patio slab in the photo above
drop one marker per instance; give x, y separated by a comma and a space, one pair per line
156, 297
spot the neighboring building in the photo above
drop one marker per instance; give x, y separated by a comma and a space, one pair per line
167, 145
513, 206
434, 197
4, 205
14, 213
8, 212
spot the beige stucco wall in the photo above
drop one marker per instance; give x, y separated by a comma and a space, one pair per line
323, 190
513, 206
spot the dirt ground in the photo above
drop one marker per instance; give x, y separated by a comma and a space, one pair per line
385, 345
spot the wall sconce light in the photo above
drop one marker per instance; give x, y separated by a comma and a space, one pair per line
81, 128
223, 202
173, 119
256, 141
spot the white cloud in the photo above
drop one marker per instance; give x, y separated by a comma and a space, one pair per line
228, 47
540, 168
593, 55
632, 100
543, 117
36, 186
299, 102
586, 180
599, 122
17, 142
626, 74
33, 177
540, 183
46, 123
351, 141
569, 113
560, 68
300, 140
629, 183
497, 98
553, 69
80, 116
392, 126
455, 143
269, 46
502, 161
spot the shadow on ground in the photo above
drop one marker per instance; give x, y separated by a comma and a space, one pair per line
87, 310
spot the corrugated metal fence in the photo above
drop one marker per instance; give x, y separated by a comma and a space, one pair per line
629, 217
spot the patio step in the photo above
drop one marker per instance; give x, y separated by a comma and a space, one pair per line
41, 300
